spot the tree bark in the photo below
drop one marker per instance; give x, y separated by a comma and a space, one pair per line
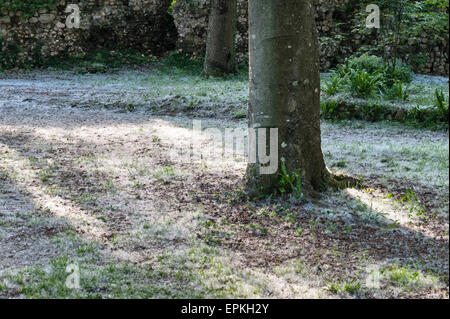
220, 46
285, 90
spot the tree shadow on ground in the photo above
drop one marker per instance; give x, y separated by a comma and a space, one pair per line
267, 233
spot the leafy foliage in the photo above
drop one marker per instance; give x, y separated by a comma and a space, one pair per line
328, 108
405, 23
366, 74
438, 3
363, 84
183, 63
28, 8
441, 104
290, 183
368, 63
170, 9
334, 85
398, 92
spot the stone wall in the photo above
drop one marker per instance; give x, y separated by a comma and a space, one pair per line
340, 29
144, 25
191, 19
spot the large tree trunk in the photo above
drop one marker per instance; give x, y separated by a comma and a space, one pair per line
220, 47
285, 90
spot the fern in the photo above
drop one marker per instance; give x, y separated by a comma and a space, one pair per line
363, 84
290, 183
441, 104
334, 85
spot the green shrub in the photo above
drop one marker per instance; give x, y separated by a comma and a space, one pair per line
363, 84
417, 114
397, 92
367, 73
328, 108
433, 117
240, 113
368, 63
402, 73
441, 105
93, 67
334, 85
375, 65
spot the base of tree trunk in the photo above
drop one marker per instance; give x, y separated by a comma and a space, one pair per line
257, 186
212, 70
344, 181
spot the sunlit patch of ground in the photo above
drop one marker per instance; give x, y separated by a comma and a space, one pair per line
97, 187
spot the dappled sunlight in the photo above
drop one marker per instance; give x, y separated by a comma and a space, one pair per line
28, 179
380, 203
408, 214
107, 164
389, 278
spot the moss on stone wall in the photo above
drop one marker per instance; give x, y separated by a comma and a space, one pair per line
26, 8
36, 29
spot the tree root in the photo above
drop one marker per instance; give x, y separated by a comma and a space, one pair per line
342, 181
329, 180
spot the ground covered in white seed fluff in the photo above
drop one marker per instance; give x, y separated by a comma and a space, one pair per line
86, 179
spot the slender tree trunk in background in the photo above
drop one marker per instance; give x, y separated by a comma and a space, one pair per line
285, 90
220, 46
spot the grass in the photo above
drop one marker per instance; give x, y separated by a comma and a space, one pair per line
408, 278
197, 272
115, 280
4, 175
363, 91
190, 233
413, 161
175, 84
351, 288
164, 173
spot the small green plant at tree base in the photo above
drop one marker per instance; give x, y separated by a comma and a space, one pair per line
172, 4
289, 183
